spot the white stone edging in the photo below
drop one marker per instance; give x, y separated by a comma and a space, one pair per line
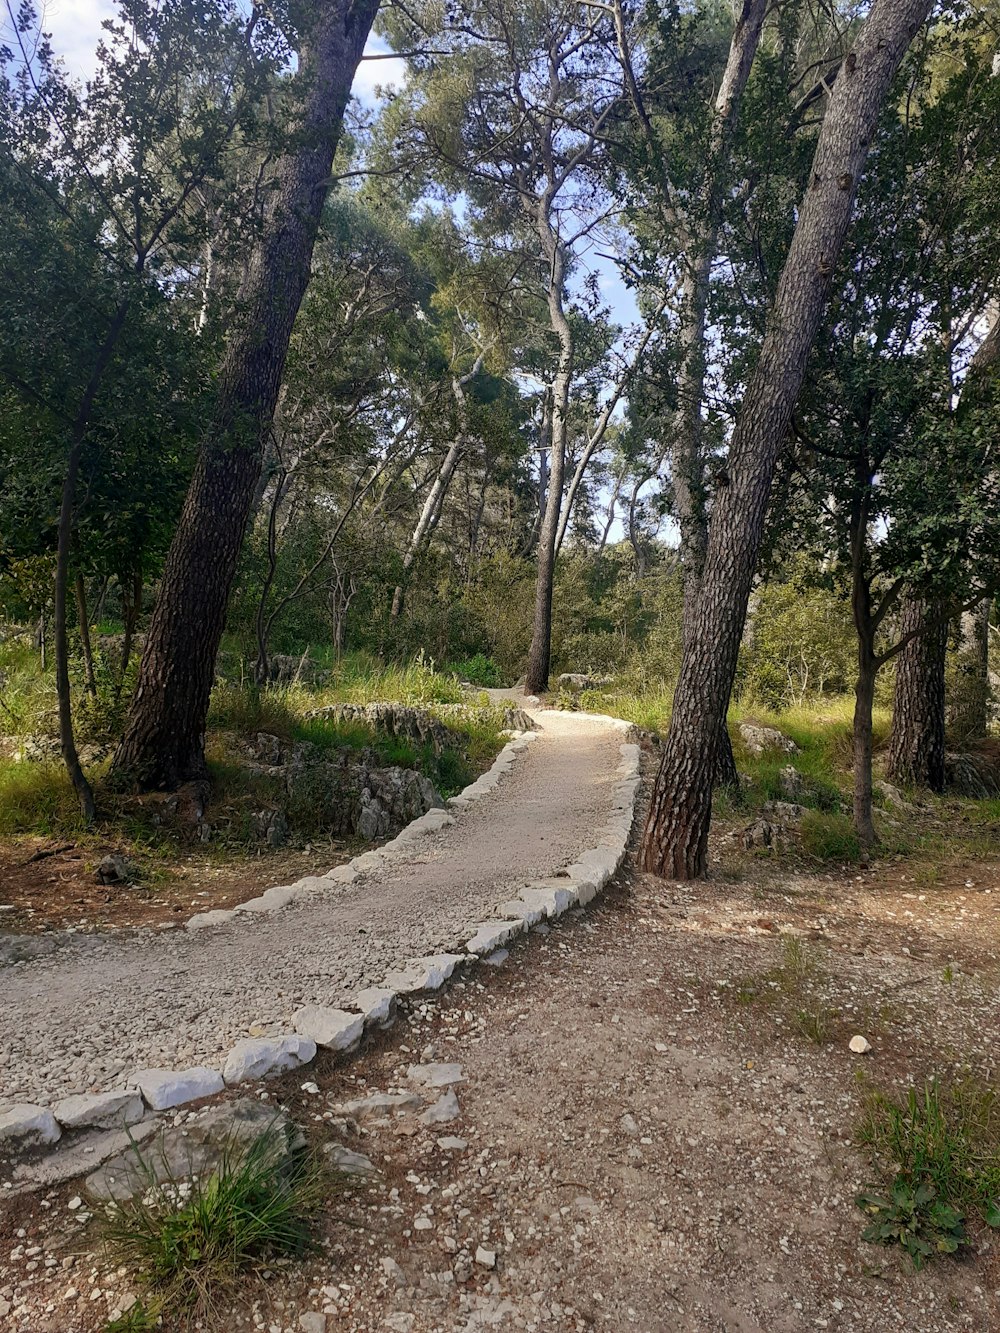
317, 1026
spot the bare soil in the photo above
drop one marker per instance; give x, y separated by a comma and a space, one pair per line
659, 1107
51, 884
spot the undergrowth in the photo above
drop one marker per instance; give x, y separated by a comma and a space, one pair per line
186, 1243
936, 1152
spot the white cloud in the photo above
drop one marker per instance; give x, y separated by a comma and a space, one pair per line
75, 26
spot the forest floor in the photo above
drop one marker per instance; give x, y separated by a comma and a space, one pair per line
658, 1124
52, 884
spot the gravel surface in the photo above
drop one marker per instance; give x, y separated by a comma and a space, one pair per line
99, 1006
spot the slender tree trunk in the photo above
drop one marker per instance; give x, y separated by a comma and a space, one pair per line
163, 743
864, 699
676, 835
429, 515
540, 652
67, 740
83, 621
131, 607
916, 742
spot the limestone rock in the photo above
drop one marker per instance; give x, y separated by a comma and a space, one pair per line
102, 1110
759, 739
332, 1028
163, 1088
375, 1003
491, 935
378, 1104
350, 1162
198, 1147
860, 1045
486, 1258
444, 1111
257, 1057
26, 1126
115, 869
435, 1075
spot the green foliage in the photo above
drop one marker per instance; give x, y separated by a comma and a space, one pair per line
829, 837
480, 670
915, 1218
945, 1134
37, 798
188, 1242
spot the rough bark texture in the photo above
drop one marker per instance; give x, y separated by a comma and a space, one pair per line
676, 836
163, 743
916, 742
968, 716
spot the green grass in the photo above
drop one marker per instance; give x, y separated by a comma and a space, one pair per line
37, 798
936, 1152
829, 837
185, 1243
947, 1134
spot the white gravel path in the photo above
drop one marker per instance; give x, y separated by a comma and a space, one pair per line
100, 1006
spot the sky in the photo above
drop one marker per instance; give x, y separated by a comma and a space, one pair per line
75, 27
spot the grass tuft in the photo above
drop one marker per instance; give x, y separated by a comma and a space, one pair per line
187, 1242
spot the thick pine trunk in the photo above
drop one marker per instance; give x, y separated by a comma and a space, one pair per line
969, 714
163, 744
676, 835
916, 742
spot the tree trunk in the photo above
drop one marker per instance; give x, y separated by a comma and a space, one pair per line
864, 699
67, 741
83, 621
969, 715
676, 836
726, 774
163, 743
131, 608
540, 652
916, 742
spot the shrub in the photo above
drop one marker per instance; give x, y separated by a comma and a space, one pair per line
480, 670
829, 837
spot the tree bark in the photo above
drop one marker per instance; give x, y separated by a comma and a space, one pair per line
83, 621
916, 742
969, 715
67, 740
676, 835
163, 743
864, 699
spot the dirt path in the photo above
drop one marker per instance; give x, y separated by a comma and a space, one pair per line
98, 1006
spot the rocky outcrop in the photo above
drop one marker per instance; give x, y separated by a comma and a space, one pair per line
759, 739
343, 792
399, 720
975, 773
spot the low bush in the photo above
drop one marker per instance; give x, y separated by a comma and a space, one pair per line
480, 670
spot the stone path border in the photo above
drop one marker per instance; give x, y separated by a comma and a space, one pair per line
26, 1128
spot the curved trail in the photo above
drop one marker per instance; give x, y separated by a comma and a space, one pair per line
103, 1005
